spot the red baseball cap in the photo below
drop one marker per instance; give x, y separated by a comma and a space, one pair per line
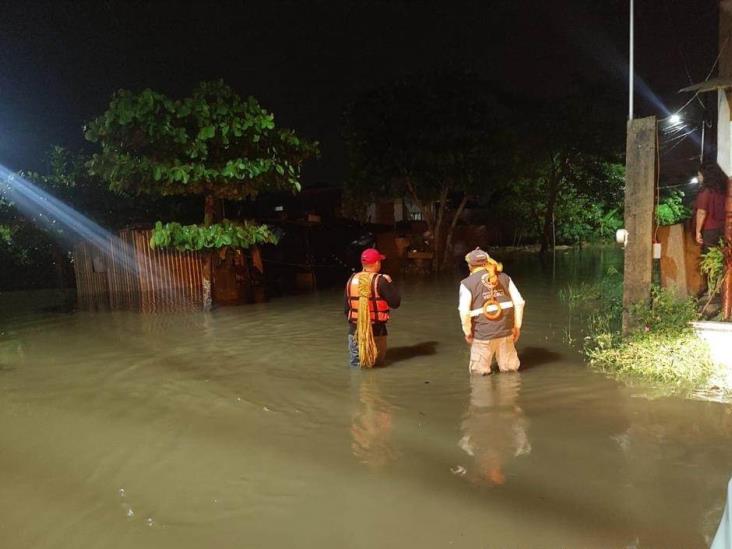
371, 255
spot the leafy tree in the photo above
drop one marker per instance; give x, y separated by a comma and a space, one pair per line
570, 153
433, 138
585, 209
212, 144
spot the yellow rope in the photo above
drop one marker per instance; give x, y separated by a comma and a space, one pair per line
367, 351
493, 267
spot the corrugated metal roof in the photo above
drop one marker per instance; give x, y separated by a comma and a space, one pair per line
710, 85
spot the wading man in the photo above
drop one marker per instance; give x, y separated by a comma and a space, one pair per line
369, 297
491, 311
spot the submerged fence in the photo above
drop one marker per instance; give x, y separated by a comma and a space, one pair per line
130, 275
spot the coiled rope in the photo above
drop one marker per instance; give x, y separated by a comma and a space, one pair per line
367, 351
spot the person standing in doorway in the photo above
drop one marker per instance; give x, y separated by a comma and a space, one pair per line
709, 206
369, 297
491, 313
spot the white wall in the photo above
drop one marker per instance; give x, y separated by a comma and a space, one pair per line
724, 133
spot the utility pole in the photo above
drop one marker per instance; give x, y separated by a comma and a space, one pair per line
640, 177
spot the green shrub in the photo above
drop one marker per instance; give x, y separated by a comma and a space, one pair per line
663, 348
713, 266
665, 312
671, 210
219, 235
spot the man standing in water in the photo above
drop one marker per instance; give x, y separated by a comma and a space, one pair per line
491, 312
369, 297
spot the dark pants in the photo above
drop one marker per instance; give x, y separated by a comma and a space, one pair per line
711, 238
353, 358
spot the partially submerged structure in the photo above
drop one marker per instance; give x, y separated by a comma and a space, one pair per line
126, 273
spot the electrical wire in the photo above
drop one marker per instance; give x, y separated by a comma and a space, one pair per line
677, 144
680, 49
719, 55
676, 138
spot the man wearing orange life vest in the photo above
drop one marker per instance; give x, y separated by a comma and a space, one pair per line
380, 294
491, 312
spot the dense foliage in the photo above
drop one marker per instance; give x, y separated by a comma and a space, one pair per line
580, 213
713, 267
219, 235
432, 138
671, 209
663, 348
213, 143
568, 172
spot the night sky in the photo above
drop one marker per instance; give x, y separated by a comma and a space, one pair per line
60, 61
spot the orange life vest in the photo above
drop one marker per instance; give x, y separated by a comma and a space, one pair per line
378, 307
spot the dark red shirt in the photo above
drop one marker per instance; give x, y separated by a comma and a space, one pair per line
712, 202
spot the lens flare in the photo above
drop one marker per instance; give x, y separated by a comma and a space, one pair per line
62, 222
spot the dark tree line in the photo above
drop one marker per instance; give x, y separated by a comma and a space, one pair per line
551, 171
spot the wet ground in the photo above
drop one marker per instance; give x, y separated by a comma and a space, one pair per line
245, 428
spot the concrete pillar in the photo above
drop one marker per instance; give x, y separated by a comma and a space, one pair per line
640, 181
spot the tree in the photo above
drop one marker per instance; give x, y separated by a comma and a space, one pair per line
212, 144
587, 206
570, 151
432, 138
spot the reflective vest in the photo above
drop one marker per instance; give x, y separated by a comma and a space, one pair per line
378, 307
483, 291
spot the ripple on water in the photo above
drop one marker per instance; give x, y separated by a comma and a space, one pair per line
246, 426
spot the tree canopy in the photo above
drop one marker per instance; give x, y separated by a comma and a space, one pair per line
568, 176
428, 137
213, 143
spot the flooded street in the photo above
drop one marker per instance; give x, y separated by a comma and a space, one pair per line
246, 428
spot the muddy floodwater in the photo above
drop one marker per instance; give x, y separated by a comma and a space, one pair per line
246, 428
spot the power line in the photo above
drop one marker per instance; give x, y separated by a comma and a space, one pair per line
680, 49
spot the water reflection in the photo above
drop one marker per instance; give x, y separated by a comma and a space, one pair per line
494, 428
219, 435
667, 448
372, 423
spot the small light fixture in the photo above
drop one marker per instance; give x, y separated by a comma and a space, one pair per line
621, 237
674, 119
279, 208
694, 181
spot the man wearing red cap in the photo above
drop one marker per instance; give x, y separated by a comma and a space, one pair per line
369, 297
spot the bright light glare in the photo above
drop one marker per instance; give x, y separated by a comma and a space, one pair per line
674, 119
694, 180
61, 221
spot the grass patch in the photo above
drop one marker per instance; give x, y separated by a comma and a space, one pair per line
680, 359
662, 348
